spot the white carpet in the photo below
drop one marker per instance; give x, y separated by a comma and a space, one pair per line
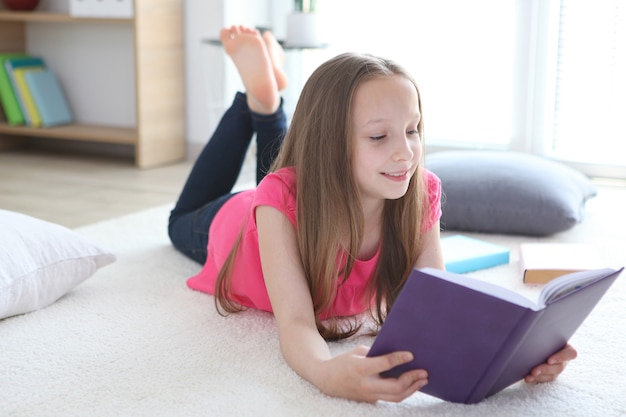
135, 341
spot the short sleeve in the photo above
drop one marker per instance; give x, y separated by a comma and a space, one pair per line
278, 190
433, 191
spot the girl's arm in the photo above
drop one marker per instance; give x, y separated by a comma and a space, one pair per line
431, 255
350, 375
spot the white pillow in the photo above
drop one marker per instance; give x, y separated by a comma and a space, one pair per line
41, 261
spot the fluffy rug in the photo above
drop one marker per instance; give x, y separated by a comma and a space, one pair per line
133, 340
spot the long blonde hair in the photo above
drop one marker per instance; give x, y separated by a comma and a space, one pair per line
329, 214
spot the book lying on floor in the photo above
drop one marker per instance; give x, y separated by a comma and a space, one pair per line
542, 262
476, 338
463, 254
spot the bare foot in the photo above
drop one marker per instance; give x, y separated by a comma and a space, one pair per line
247, 49
277, 54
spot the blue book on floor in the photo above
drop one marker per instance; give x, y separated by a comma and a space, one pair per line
49, 99
463, 254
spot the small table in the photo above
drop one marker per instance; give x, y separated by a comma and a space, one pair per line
282, 43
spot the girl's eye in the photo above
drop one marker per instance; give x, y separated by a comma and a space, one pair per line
413, 132
379, 137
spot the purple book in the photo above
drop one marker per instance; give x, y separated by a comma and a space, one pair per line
475, 338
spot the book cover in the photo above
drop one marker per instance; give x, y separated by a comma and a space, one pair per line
542, 262
8, 99
48, 97
463, 254
21, 62
476, 338
29, 108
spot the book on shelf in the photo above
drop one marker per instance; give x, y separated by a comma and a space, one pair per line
29, 108
8, 99
542, 262
48, 98
463, 254
476, 338
13, 64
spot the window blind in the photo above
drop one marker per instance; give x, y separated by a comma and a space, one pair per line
590, 83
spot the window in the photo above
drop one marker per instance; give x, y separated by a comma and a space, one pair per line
587, 102
544, 76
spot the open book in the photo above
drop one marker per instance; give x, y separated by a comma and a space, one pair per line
475, 338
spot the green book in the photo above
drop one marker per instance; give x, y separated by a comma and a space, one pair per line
8, 99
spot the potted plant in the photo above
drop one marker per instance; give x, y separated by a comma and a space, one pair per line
306, 6
302, 25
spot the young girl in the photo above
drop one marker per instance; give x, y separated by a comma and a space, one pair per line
336, 226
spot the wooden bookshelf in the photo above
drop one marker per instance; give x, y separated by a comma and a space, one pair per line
159, 135
16, 16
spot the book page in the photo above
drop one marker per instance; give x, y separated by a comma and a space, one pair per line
484, 287
566, 284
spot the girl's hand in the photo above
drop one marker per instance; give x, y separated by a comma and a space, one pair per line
555, 364
354, 376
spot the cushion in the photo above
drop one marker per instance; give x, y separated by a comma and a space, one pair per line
509, 192
41, 261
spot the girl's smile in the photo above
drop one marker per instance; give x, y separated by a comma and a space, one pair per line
400, 176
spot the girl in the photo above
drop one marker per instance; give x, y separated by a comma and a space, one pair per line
334, 230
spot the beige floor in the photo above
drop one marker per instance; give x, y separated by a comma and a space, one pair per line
76, 189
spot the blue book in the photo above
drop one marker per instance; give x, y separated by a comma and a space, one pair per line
463, 254
49, 99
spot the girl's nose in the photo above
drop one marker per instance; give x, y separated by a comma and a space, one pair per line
405, 149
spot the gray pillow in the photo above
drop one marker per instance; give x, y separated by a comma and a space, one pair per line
509, 192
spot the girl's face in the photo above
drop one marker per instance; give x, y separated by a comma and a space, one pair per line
386, 142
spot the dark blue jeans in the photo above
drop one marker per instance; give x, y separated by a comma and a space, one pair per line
216, 170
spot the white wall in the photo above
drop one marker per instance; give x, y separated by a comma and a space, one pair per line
79, 51
204, 66
105, 51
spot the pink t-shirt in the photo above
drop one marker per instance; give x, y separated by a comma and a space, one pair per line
248, 286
